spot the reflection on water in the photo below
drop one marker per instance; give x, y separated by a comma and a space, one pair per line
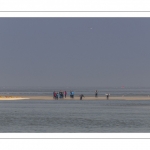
74, 116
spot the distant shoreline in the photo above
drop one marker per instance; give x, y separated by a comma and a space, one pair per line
75, 98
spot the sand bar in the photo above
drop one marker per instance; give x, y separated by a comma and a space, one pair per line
13, 98
75, 98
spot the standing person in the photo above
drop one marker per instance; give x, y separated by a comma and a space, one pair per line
81, 96
61, 94
96, 93
57, 95
54, 94
65, 93
107, 96
72, 94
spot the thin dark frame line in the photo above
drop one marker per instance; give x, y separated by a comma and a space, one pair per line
80, 138
76, 11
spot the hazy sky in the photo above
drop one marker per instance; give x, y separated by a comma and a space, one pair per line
103, 52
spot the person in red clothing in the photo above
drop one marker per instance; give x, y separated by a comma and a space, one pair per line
65, 93
54, 94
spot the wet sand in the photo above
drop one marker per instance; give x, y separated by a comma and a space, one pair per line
94, 98
75, 98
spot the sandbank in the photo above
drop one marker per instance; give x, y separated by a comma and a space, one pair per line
13, 98
75, 98
91, 98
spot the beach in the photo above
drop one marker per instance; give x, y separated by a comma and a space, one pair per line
13, 98
75, 98
93, 98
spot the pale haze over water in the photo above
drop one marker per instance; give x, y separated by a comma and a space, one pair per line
80, 52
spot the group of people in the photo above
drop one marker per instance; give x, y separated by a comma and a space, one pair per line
63, 94
60, 94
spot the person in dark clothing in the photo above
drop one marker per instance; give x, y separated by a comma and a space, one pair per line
61, 95
70, 94
107, 96
57, 95
96, 93
81, 96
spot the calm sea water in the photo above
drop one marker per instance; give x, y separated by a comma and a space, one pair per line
74, 116
40, 91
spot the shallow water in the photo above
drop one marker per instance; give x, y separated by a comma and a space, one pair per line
40, 91
74, 116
